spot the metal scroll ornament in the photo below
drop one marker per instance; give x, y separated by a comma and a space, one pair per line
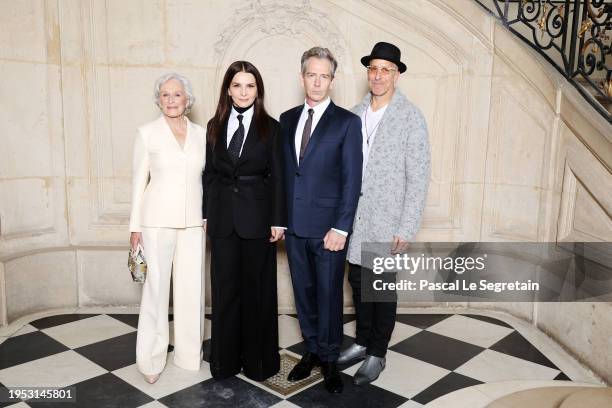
575, 36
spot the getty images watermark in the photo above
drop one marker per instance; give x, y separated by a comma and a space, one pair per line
488, 271
459, 265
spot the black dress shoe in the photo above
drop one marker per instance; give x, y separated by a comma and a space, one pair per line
331, 377
304, 367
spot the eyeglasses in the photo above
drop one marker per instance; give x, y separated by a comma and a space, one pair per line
384, 71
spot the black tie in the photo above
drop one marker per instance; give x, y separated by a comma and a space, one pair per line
236, 142
306, 133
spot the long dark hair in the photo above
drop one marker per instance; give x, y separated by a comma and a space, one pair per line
224, 107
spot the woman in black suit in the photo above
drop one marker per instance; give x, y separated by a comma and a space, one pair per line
245, 212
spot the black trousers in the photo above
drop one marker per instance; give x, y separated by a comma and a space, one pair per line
375, 320
244, 332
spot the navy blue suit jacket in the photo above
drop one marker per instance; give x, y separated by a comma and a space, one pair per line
323, 190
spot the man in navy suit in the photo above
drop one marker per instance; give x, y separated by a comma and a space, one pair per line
323, 162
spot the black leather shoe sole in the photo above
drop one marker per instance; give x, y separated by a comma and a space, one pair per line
333, 385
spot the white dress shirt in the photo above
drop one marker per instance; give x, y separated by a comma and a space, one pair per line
233, 123
316, 117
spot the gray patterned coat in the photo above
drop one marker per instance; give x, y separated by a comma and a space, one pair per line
396, 178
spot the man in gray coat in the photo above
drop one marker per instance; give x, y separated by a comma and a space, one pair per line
396, 172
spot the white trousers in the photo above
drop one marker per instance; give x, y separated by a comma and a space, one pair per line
176, 251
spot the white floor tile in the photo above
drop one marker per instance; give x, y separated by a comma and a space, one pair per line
28, 328
289, 332
410, 404
284, 404
349, 328
171, 380
153, 404
468, 397
88, 331
405, 375
402, 332
58, 370
470, 330
18, 405
491, 366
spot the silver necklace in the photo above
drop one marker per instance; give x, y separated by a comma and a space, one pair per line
365, 120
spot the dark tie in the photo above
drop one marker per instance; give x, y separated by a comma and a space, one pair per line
236, 142
306, 133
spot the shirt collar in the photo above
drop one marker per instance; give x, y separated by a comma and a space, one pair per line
246, 115
318, 109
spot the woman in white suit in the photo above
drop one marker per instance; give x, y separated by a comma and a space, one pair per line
166, 220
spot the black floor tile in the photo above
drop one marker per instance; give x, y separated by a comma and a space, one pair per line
348, 318
562, 377
104, 391
438, 350
516, 345
365, 396
422, 321
232, 392
112, 354
129, 319
451, 382
56, 320
489, 320
4, 396
28, 347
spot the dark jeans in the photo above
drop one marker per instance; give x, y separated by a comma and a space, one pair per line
375, 320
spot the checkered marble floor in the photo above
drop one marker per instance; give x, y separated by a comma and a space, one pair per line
430, 355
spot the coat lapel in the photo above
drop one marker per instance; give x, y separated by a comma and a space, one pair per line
190, 135
291, 136
165, 128
221, 145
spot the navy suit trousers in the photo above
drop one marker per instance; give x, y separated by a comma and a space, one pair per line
317, 275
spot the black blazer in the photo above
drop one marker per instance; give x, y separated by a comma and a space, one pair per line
249, 196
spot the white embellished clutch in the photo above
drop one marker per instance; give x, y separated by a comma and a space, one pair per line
137, 264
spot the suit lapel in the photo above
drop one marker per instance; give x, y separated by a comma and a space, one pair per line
292, 130
221, 145
319, 130
188, 136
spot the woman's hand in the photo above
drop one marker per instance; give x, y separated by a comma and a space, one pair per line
135, 239
276, 233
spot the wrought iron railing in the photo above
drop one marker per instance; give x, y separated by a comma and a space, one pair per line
575, 36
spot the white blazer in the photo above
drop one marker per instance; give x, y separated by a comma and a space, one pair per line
167, 180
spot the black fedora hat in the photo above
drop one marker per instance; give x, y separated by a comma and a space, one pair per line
386, 51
